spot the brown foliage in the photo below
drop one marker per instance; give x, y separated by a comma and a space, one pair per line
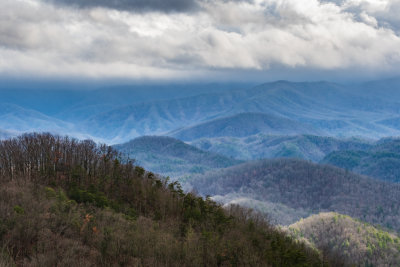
65, 202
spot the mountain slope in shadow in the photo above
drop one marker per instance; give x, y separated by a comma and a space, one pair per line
172, 157
305, 186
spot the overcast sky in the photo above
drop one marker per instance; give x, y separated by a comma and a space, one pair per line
199, 39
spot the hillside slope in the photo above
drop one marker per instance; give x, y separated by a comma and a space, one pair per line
65, 202
260, 146
171, 157
304, 186
381, 161
242, 125
356, 242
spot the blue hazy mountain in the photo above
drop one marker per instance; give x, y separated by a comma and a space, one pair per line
261, 146
118, 114
59, 99
330, 108
243, 125
19, 119
113, 97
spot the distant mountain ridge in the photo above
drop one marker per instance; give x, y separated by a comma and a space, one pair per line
172, 157
116, 115
335, 109
18, 119
262, 146
242, 125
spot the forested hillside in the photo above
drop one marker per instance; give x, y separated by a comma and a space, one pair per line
355, 242
299, 185
381, 161
65, 202
262, 146
171, 157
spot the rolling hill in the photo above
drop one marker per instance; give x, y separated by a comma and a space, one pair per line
381, 161
261, 146
288, 189
242, 125
171, 157
354, 242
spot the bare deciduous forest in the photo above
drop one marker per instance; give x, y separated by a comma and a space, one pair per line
73, 203
314, 187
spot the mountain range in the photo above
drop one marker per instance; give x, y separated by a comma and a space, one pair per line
119, 114
330, 108
243, 125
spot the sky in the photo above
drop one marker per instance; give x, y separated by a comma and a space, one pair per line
174, 40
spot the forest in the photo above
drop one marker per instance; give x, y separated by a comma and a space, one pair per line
65, 202
311, 187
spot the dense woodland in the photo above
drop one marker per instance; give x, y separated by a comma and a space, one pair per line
65, 202
300, 184
381, 161
262, 146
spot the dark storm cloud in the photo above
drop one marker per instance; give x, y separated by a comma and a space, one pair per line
142, 5
134, 5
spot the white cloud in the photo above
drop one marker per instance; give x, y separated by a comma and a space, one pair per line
37, 38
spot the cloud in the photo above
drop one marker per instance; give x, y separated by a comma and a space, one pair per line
221, 37
384, 12
133, 5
